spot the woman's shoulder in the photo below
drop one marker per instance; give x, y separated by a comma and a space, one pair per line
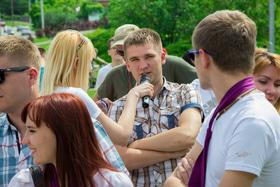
73, 90
106, 177
22, 179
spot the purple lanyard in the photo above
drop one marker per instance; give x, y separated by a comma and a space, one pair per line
198, 175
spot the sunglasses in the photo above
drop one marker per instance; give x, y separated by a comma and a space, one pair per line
189, 56
12, 69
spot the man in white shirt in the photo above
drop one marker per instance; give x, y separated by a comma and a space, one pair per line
238, 144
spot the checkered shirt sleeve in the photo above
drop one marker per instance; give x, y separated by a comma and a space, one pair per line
108, 149
13, 155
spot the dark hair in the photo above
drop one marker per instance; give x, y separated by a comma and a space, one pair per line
78, 155
230, 38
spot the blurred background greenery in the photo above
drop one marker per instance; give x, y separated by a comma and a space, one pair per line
173, 19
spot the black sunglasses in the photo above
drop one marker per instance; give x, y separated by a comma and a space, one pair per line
12, 69
189, 56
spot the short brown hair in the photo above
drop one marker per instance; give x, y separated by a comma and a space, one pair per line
141, 37
20, 51
230, 38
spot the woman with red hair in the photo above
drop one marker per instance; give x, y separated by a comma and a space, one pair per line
61, 137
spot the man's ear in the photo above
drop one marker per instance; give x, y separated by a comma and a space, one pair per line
33, 74
163, 55
205, 59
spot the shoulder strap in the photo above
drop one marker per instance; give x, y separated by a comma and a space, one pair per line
37, 176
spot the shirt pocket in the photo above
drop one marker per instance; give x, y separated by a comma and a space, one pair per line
169, 119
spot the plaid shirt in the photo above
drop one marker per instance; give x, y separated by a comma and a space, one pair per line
13, 155
108, 149
161, 115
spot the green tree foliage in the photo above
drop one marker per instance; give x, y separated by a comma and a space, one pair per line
176, 19
100, 39
60, 12
16, 7
88, 7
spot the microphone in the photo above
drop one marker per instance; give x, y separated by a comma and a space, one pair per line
146, 99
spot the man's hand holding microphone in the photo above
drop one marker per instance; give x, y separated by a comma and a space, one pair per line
144, 90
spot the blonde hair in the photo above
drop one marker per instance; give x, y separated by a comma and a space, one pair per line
68, 62
20, 51
263, 59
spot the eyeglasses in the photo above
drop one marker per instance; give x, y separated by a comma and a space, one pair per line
189, 56
12, 69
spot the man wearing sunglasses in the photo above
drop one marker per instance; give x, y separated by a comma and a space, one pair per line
19, 67
238, 144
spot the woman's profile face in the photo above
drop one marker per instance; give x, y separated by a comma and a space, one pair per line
267, 80
41, 141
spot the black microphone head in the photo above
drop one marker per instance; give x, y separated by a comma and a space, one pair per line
144, 78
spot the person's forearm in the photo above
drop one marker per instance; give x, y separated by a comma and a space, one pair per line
176, 139
135, 158
126, 120
115, 131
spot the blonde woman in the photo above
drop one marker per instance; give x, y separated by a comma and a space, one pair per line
68, 64
267, 75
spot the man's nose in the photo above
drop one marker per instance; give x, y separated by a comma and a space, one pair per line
143, 64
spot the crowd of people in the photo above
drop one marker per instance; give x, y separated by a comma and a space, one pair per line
210, 118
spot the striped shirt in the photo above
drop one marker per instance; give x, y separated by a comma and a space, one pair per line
161, 115
15, 156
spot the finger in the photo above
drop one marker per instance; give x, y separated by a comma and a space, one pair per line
183, 175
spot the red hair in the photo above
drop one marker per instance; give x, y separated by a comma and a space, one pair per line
78, 155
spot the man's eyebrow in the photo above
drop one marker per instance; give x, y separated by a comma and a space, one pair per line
133, 58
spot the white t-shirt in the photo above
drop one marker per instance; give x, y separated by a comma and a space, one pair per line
102, 74
93, 109
245, 138
104, 178
207, 96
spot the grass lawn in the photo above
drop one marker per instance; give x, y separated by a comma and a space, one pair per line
16, 23
42, 39
91, 92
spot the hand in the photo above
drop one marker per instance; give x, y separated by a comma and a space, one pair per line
184, 170
141, 90
104, 104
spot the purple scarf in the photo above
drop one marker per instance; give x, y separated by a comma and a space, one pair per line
198, 175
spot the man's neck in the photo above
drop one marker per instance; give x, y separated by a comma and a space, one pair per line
15, 120
15, 117
117, 62
223, 82
158, 87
